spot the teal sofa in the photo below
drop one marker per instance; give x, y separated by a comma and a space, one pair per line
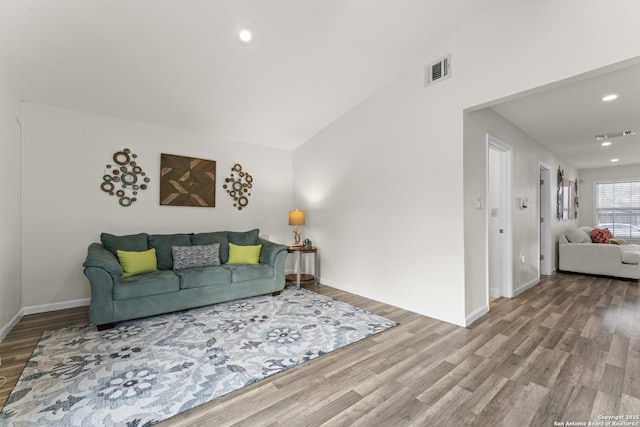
115, 298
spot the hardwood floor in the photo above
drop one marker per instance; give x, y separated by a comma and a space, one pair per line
567, 350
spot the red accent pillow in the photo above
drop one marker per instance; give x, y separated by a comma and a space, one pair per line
599, 235
609, 234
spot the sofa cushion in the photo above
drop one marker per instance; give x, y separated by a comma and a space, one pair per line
134, 263
195, 256
245, 272
577, 235
630, 254
244, 238
244, 254
219, 237
599, 235
205, 276
131, 242
629, 257
163, 244
158, 282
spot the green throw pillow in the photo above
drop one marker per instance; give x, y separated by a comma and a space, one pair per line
244, 254
137, 262
614, 242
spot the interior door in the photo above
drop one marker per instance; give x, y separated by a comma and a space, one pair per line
499, 226
545, 219
495, 225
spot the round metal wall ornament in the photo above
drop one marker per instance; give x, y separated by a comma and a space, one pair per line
239, 185
107, 186
121, 158
125, 172
129, 178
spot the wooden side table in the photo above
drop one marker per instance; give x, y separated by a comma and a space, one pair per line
298, 277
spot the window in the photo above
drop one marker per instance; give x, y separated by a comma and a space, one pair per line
618, 207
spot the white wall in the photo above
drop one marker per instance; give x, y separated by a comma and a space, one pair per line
527, 156
64, 210
383, 185
10, 292
588, 178
376, 189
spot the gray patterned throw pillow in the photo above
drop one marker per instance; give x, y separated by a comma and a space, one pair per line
195, 256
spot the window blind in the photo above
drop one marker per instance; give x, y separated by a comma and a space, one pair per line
618, 207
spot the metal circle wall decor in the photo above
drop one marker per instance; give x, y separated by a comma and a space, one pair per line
125, 172
238, 186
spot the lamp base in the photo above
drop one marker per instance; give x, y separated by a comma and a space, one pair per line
296, 236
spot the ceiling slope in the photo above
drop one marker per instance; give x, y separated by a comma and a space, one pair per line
180, 64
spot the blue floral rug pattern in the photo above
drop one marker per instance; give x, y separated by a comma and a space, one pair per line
147, 370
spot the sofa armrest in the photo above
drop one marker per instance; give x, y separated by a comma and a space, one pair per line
99, 257
270, 251
103, 271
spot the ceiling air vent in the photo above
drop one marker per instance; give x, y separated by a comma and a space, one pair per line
610, 135
438, 70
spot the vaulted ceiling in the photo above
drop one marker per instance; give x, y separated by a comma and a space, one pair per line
180, 63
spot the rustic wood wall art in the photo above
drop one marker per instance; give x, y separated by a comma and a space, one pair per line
124, 178
238, 185
187, 181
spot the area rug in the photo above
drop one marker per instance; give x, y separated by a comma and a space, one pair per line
148, 370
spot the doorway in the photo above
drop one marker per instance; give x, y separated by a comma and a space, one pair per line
544, 197
499, 228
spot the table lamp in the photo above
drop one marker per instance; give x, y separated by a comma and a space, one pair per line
296, 218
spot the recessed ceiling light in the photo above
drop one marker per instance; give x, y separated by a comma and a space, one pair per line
610, 97
614, 160
245, 36
606, 143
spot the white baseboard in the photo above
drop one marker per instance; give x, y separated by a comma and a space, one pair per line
526, 286
43, 308
4, 331
34, 309
476, 315
494, 293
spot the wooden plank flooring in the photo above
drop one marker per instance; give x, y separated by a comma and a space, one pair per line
567, 350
